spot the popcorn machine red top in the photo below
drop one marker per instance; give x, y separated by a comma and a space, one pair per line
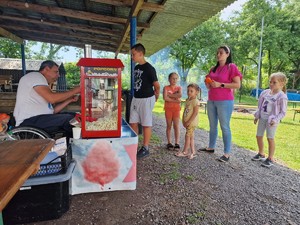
100, 81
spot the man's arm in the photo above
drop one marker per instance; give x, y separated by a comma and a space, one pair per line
156, 89
53, 97
63, 104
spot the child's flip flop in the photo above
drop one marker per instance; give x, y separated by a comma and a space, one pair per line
191, 156
181, 154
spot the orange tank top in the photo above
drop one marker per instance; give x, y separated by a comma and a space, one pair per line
172, 105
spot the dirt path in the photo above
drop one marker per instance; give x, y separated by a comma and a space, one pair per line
173, 190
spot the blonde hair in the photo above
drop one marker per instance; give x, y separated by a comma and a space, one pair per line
281, 77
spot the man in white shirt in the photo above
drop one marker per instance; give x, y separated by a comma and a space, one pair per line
38, 106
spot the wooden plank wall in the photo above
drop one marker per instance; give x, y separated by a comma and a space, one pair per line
7, 102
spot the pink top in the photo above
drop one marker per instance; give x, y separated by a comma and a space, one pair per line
223, 74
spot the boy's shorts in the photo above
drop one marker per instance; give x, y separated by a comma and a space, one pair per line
190, 131
141, 111
172, 114
264, 126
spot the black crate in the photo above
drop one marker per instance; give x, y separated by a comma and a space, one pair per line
58, 165
40, 199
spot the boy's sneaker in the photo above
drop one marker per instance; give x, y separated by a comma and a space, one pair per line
267, 163
143, 152
258, 157
223, 158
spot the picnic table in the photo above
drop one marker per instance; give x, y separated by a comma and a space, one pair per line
18, 161
296, 111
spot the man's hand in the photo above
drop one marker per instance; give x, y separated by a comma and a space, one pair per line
75, 98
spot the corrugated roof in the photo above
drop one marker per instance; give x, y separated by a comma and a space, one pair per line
105, 24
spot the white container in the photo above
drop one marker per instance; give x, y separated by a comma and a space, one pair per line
76, 132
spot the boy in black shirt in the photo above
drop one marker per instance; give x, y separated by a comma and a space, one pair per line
146, 93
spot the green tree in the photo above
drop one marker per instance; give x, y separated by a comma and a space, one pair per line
72, 74
48, 51
292, 40
33, 50
11, 49
198, 47
281, 46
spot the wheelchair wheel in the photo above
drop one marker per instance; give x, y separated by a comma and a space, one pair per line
21, 133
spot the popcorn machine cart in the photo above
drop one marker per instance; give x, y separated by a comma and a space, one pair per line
100, 97
106, 154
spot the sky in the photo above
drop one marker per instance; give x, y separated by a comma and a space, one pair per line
70, 56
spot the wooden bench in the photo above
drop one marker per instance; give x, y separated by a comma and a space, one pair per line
296, 111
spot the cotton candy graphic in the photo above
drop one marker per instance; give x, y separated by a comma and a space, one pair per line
101, 164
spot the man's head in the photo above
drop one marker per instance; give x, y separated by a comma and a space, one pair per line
138, 52
50, 71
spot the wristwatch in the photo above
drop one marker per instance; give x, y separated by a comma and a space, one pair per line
222, 85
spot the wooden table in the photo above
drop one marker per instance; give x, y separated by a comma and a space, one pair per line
296, 111
18, 161
294, 103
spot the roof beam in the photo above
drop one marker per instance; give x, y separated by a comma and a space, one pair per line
152, 7
115, 2
6, 33
71, 26
77, 44
133, 12
63, 12
147, 6
81, 36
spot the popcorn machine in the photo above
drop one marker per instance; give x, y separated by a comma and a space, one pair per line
100, 81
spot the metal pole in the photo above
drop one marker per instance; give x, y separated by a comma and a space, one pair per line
87, 51
132, 43
259, 57
129, 93
23, 59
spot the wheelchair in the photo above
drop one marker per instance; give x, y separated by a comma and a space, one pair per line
27, 132
20, 133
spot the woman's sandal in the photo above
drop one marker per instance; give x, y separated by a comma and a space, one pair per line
181, 154
170, 146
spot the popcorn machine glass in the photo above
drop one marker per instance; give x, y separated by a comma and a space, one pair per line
100, 81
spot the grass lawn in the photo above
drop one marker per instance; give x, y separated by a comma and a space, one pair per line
244, 132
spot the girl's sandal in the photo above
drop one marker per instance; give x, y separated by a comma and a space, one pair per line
193, 155
176, 147
181, 154
170, 146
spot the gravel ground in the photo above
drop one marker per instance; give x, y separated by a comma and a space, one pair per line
172, 190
